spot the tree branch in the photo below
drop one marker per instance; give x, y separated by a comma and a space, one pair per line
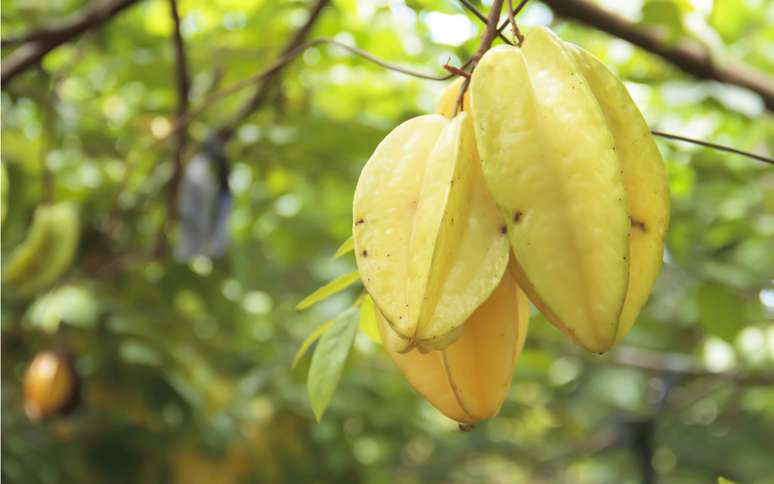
512, 13
38, 43
682, 365
282, 62
486, 42
661, 134
690, 58
472, 8
272, 76
183, 89
491, 31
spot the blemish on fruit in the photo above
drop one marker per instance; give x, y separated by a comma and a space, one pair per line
365, 253
503, 230
639, 224
361, 221
517, 216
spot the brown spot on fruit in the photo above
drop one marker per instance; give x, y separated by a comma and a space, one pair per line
466, 427
361, 221
365, 253
503, 230
517, 216
638, 224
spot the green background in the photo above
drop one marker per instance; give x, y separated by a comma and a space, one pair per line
185, 367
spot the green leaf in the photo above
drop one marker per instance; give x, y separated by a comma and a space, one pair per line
730, 17
313, 336
666, 15
368, 319
723, 480
328, 290
720, 311
345, 248
328, 360
74, 305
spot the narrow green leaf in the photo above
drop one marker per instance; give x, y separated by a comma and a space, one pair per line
328, 290
723, 480
368, 320
313, 336
345, 247
328, 360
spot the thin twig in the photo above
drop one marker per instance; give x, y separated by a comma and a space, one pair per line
513, 13
486, 42
472, 8
491, 30
456, 70
515, 28
264, 87
511, 19
715, 146
662, 134
244, 83
689, 57
287, 58
460, 104
520, 7
38, 43
183, 90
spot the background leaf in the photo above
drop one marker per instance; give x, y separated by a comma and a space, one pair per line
185, 364
328, 360
309, 341
328, 290
721, 311
345, 248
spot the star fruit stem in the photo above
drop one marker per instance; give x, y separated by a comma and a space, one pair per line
486, 42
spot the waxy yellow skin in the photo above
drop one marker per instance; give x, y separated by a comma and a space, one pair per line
570, 162
48, 385
429, 240
448, 105
645, 181
468, 380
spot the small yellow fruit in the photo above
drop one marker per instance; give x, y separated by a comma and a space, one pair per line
50, 385
468, 380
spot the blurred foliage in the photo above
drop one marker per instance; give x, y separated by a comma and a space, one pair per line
186, 367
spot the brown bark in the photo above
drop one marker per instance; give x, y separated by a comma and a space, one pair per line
690, 58
38, 43
272, 77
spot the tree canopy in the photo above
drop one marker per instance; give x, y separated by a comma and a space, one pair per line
211, 155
